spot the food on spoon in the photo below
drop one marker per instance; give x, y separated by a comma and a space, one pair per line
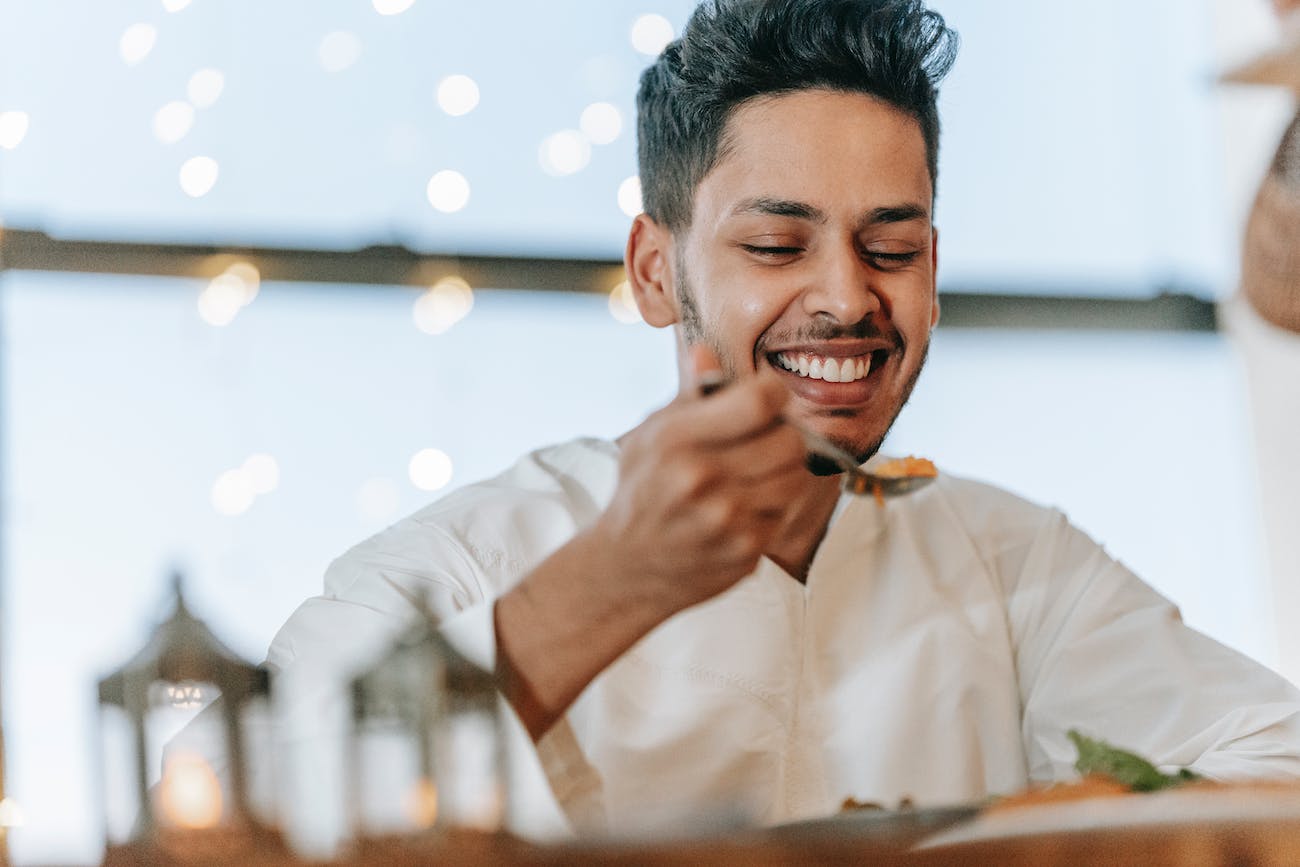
901, 468
906, 468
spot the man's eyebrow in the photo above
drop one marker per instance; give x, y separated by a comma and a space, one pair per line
779, 208
766, 206
903, 213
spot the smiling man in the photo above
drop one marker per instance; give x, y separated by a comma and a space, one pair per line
691, 619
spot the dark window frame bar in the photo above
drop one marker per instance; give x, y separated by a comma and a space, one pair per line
962, 307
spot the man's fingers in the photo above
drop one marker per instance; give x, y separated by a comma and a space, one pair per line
703, 370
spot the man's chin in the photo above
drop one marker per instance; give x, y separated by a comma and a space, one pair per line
820, 465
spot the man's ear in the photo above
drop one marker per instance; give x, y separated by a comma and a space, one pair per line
648, 259
934, 276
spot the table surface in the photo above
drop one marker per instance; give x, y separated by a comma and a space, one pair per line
1238, 843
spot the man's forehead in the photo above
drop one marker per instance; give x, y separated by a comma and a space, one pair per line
808, 153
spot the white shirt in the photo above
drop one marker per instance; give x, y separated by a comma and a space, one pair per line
940, 649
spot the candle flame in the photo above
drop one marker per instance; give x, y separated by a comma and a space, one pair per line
190, 793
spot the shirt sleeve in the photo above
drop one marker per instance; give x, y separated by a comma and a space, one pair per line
1099, 651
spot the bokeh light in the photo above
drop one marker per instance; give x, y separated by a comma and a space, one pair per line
175, 5
173, 121
457, 95
430, 469
233, 492
650, 33
622, 304
228, 293
205, 87
13, 128
443, 305
629, 196
338, 51
392, 7
263, 472
248, 278
11, 815
221, 300
136, 43
448, 191
601, 123
198, 176
564, 153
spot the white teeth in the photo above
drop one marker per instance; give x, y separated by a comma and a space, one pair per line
828, 369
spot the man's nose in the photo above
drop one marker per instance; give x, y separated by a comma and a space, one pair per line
846, 288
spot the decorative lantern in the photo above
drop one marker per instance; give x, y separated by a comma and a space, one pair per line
428, 749
183, 724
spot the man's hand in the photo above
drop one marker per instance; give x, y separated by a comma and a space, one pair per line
703, 485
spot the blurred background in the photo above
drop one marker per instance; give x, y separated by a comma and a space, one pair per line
275, 274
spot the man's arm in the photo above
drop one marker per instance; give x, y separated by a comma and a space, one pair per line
1100, 651
703, 484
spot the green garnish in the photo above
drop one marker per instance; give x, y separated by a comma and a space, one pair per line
1099, 757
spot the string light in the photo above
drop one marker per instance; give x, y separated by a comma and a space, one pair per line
457, 95
651, 33
448, 191
198, 176
338, 51
444, 304
430, 469
13, 128
601, 123
205, 87
173, 121
629, 196
622, 304
564, 153
136, 43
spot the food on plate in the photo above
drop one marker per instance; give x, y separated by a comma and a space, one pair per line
1129, 769
1107, 772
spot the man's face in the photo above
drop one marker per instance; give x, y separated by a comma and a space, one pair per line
811, 251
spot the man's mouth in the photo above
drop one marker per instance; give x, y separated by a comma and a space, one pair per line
830, 368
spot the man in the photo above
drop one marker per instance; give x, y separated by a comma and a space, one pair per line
689, 618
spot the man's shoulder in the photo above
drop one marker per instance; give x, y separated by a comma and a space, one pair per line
500, 523
996, 524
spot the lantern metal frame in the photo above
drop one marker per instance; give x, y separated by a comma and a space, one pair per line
417, 682
182, 648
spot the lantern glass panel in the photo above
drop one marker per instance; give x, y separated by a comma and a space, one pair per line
469, 762
395, 796
120, 789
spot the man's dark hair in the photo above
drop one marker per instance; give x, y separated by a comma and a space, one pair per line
734, 50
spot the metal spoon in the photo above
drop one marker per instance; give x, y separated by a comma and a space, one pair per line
856, 480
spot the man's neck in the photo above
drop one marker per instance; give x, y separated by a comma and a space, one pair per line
801, 533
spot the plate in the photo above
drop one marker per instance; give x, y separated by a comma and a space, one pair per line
899, 829
1193, 806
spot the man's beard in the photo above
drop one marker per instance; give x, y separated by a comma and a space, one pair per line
695, 332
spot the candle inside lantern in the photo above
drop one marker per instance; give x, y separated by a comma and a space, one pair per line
189, 795
422, 803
